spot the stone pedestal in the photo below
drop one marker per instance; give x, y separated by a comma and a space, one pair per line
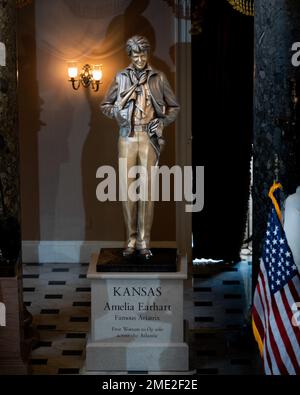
137, 321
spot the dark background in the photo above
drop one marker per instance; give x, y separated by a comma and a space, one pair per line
222, 58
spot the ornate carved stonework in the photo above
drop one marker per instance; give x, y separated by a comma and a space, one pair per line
9, 166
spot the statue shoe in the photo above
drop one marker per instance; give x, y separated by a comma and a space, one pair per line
145, 253
128, 251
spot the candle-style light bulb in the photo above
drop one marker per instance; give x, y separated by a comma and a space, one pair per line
72, 70
97, 73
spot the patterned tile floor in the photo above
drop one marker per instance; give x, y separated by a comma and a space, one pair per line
59, 298
217, 310
216, 304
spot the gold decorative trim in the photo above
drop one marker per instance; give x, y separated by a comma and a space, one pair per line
246, 7
22, 3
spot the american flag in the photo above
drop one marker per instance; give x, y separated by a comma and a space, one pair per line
276, 298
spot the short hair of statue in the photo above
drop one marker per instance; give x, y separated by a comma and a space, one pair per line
137, 44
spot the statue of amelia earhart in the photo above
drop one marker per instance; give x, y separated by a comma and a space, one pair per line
143, 103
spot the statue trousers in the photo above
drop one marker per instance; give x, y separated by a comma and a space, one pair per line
137, 210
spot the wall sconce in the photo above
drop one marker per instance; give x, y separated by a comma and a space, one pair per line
90, 75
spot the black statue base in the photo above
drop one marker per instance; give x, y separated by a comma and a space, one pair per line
112, 260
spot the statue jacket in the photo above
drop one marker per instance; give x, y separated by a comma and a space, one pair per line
163, 99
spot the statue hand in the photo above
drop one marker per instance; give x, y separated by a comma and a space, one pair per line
156, 126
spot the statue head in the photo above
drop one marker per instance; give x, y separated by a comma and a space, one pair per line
138, 48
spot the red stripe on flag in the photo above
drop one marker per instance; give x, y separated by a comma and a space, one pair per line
261, 302
266, 347
260, 329
269, 360
290, 315
284, 335
279, 362
258, 323
294, 291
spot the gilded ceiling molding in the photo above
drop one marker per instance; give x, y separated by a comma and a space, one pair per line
23, 3
246, 7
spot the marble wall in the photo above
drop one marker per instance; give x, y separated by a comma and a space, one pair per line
277, 27
9, 159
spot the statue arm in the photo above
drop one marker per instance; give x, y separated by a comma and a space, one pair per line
172, 107
108, 104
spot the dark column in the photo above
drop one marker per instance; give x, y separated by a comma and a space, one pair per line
277, 26
14, 343
222, 128
9, 148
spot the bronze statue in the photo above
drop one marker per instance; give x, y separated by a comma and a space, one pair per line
143, 103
